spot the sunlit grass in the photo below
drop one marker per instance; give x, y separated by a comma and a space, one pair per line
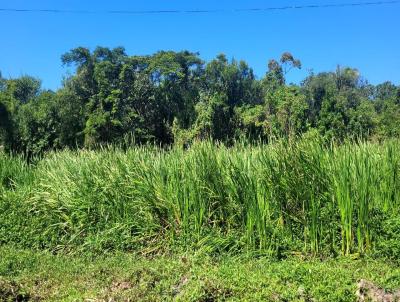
305, 196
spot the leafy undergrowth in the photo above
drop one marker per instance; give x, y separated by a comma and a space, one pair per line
40, 276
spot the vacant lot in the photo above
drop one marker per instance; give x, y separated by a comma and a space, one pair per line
283, 222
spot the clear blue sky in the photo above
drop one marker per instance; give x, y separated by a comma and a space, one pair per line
363, 37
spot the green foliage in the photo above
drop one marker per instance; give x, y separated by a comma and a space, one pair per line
389, 120
289, 196
24, 88
214, 119
5, 125
251, 122
44, 276
275, 76
176, 98
14, 173
286, 112
389, 245
326, 182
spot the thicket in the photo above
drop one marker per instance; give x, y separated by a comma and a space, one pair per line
305, 195
176, 98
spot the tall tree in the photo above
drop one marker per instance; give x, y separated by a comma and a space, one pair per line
277, 71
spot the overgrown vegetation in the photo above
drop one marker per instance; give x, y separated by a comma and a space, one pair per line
304, 196
175, 97
157, 156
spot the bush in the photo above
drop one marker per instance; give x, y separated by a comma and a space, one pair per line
388, 242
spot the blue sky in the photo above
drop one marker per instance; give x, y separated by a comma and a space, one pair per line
363, 37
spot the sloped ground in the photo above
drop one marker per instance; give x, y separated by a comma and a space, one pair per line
40, 276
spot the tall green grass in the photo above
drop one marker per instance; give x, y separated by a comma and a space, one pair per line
303, 196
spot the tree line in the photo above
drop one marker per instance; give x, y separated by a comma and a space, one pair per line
175, 98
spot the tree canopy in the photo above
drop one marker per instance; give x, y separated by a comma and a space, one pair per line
175, 97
